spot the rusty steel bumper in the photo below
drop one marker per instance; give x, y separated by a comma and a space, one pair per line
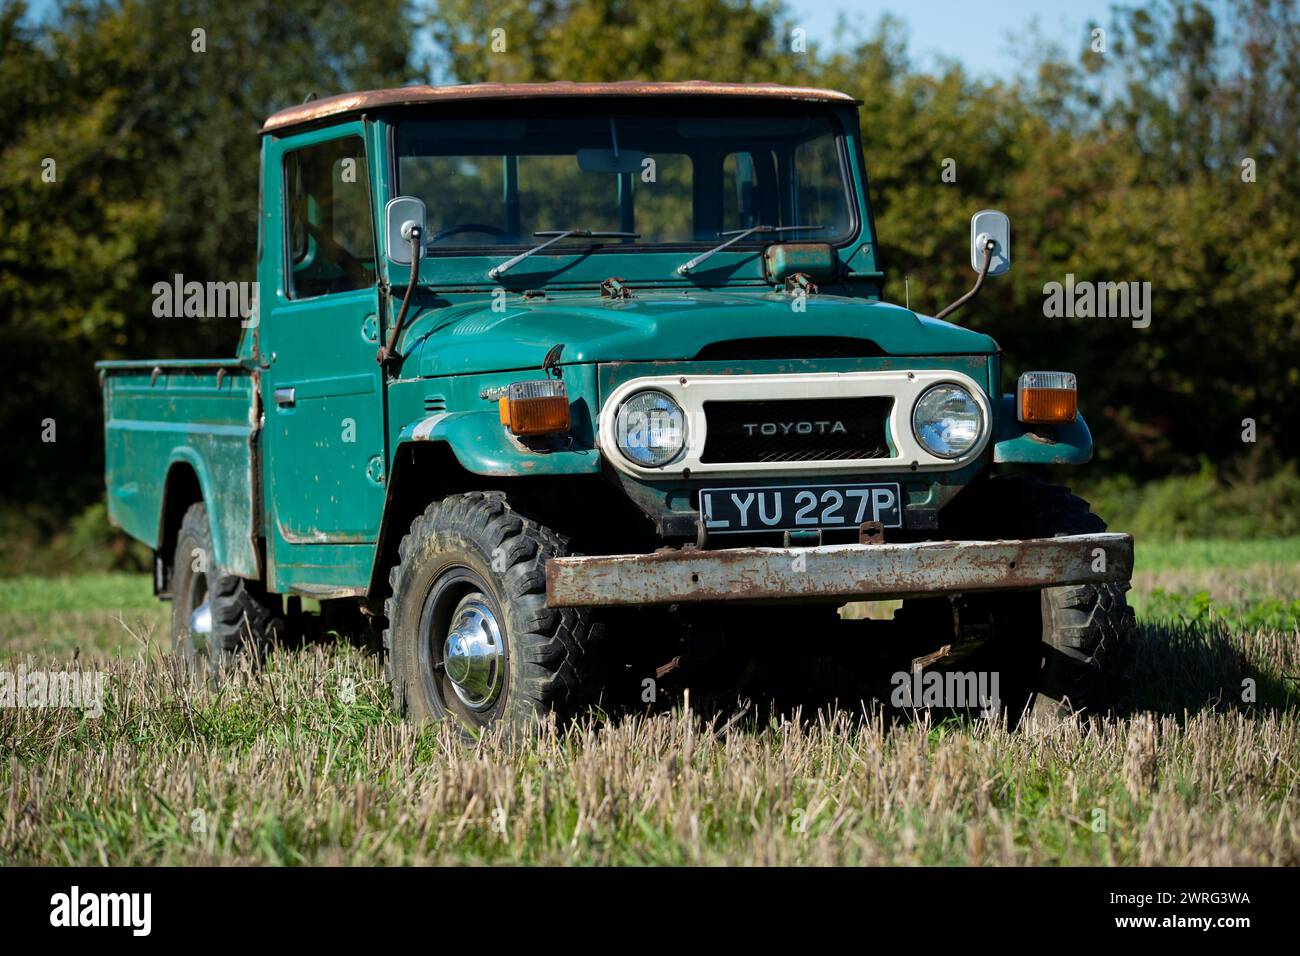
847, 571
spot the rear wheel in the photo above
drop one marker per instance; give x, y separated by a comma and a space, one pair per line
469, 634
215, 615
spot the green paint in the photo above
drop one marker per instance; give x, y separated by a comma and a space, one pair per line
1015, 443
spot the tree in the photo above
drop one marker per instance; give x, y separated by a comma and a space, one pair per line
149, 110
1123, 165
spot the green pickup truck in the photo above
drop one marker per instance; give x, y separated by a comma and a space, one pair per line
542, 377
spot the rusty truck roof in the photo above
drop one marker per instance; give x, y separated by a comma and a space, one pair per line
346, 103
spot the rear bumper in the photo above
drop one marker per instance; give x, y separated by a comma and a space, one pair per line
847, 571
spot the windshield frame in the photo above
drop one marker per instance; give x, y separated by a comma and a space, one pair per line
620, 110
580, 264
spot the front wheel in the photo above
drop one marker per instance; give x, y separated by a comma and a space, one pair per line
469, 634
1051, 648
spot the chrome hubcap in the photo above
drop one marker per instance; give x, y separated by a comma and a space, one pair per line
473, 655
201, 625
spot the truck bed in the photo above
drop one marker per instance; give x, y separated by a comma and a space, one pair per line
171, 426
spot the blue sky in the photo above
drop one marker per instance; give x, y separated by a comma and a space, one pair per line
979, 33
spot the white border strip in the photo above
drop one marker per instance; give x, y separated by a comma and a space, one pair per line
692, 391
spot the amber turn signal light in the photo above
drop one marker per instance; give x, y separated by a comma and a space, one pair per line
535, 408
1047, 398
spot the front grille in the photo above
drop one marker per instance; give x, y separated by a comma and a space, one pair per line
798, 429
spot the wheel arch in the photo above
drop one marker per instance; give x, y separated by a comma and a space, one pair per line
182, 488
428, 470
421, 472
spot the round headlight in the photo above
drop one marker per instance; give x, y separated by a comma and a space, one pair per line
947, 421
651, 429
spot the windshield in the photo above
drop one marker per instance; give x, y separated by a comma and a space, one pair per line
670, 179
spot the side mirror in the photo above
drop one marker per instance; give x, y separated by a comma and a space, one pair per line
985, 226
401, 215
990, 253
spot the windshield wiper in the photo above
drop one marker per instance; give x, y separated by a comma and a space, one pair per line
736, 235
556, 236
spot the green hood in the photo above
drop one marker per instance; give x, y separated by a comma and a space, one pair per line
471, 338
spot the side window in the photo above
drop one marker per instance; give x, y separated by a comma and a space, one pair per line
331, 243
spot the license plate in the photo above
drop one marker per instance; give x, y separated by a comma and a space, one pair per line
798, 508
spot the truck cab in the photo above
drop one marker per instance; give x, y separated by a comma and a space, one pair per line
528, 358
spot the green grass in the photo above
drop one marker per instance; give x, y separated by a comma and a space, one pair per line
1211, 554
1255, 584
84, 592
83, 613
302, 761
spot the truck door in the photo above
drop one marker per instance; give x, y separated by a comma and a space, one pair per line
323, 399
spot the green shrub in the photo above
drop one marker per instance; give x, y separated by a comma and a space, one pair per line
1200, 608
39, 542
1202, 505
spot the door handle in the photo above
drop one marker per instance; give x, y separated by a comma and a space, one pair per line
285, 396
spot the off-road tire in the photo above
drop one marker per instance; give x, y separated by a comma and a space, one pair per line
551, 662
1079, 626
244, 617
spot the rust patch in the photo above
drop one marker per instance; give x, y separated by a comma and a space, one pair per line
878, 571
345, 103
614, 288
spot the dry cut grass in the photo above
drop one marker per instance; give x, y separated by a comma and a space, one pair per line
302, 762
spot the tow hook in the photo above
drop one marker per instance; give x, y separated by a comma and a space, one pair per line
871, 532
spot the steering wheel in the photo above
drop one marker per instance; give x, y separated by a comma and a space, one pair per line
353, 266
469, 227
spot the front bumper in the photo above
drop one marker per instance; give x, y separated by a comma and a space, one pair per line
842, 571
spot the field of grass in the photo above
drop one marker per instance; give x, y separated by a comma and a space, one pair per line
1254, 584
301, 761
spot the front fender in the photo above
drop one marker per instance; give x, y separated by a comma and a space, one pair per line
484, 447
1014, 442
